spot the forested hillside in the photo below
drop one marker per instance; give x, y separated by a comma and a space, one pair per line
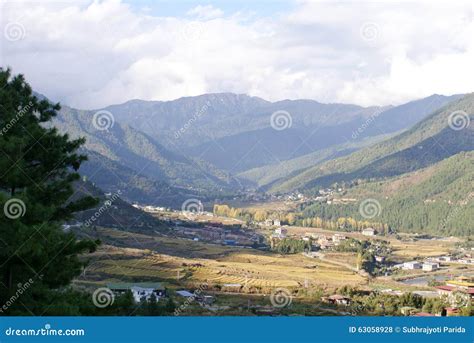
437, 199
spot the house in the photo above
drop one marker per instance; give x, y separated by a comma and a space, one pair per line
140, 290
339, 299
337, 238
430, 266
412, 265
369, 232
444, 259
207, 299
276, 222
280, 232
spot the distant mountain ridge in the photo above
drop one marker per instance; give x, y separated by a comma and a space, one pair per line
218, 144
121, 157
234, 131
426, 143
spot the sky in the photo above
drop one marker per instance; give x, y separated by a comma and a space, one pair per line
90, 54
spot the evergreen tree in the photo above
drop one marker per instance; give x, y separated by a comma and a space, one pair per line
38, 167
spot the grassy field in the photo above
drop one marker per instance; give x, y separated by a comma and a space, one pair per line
421, 248
254, 270
402, 249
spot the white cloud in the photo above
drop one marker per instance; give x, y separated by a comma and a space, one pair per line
205, 12
91, 55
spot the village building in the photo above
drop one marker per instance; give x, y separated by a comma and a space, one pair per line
140, 290
412, 265
369, 232
280, 232
185, 294
337, 238
430, 266
325, 242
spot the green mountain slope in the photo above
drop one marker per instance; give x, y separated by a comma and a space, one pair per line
265, 176
428, 142
438, 199
133, 154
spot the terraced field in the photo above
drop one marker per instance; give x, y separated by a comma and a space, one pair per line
251, 269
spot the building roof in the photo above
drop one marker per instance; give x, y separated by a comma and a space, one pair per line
445, 288
185, 294
130, 285
412, 262
461, 283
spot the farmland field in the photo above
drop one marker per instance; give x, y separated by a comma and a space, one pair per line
215, 265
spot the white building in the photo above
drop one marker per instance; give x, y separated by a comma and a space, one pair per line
337, 238
430, 266
281, 232
368, 232
140, 291
412, 265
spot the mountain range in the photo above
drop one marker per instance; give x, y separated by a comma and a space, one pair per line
218, 144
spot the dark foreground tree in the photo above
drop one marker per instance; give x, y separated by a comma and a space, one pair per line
38, 167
